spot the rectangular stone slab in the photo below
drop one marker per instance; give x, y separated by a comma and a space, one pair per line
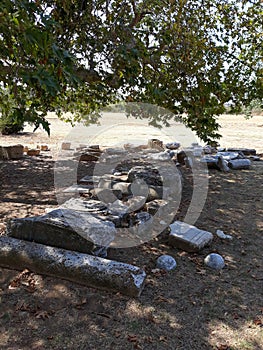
77, 267
49, 229
188, 237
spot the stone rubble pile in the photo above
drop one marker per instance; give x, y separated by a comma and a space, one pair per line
133, 193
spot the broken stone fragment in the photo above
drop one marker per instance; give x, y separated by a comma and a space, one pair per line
222, 235
73, 266
153, 206
146, 173
188, 237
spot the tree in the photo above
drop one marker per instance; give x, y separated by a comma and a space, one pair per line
191, 57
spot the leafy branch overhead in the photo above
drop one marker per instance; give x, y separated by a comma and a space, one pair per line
191, 57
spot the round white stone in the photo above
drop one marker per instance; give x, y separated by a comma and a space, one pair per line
166, 262
214, 261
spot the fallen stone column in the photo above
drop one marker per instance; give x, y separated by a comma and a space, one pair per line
73, 266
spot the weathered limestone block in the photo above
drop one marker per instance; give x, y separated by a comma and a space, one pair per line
64, 228
155, 144
240, 164
245, 151
65, 146
11, 152
77, 267
188, 237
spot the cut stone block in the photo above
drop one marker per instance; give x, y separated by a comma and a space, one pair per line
88, 157
188, 237
240, 164
55, 230
65, 146
11, 152
77, 267
245, 151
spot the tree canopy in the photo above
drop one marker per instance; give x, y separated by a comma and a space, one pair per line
190, 56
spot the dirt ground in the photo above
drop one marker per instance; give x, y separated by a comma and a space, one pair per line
191, 307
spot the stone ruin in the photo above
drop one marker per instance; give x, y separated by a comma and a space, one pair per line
131, 197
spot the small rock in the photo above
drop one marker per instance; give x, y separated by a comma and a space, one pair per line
162, 156
214, 261
44, 148
33, 152
173, 145
222, 235
166, 262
